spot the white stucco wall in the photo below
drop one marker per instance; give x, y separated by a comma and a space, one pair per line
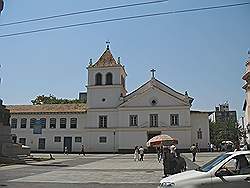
163, 116
48, 133
199, 120
110, 94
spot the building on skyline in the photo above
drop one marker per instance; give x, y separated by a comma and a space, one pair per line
223, 114
246, 106
112, 120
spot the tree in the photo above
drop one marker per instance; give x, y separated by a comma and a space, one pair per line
51, 99
224, 131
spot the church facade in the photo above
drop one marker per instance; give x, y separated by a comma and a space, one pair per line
112, 120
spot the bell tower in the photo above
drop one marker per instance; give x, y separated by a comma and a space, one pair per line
106, 82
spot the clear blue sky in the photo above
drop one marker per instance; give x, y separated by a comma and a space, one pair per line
201, 52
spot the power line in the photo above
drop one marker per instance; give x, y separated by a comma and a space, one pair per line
124, 18
83, 12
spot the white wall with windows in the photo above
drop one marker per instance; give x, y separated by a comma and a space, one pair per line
200, 128
113, 120
57, 125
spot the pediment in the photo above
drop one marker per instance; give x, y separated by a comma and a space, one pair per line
155, 96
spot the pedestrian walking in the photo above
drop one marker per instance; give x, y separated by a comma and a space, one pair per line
193, 149
66, 152
82, 151
208, 147
159, 154
172, 160
136, 153
197, 146
141, 152
211, 147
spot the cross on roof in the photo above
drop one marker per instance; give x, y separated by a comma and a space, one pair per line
108, 42
153, 72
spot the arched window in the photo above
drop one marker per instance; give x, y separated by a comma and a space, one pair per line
109, 78
98, 79
199, 134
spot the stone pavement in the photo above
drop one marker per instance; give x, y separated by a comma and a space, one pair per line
94, 170
114, 169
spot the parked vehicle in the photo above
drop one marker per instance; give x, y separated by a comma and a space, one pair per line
228, 170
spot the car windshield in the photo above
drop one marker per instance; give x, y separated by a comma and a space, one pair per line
208, 166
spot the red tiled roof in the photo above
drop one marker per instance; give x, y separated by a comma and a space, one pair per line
48, 108
106, 60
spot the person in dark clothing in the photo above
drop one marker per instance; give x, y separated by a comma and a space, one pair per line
82, 150
193, 149
169, 162
172, 163
166, 161
159, 154
181, 164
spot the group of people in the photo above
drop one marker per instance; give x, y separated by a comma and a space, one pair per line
82, 151
139, 153
173, 163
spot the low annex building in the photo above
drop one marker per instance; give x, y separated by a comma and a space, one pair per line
112, 120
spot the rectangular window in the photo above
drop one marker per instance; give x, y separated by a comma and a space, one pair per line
13, 123
133, 120
57, 139
153, 120
32, 122
103, 121
41, 143
73, 123
102, 139
174, 119
63, 123
78, 139
43, 123
22, 141
23, 123
52, 123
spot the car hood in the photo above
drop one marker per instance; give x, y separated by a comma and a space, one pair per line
188, 175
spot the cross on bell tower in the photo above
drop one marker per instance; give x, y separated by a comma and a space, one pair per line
153, 73
107, 43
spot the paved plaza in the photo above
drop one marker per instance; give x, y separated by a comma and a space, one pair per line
94, 170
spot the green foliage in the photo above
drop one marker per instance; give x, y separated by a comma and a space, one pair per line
51, 99
224, 131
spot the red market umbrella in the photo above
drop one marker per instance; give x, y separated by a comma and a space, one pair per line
162, 139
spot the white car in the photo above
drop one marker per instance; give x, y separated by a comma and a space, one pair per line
228, 170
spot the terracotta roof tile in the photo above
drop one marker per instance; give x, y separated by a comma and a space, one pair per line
48, 108
106, 60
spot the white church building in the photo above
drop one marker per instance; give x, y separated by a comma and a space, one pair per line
112, 120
